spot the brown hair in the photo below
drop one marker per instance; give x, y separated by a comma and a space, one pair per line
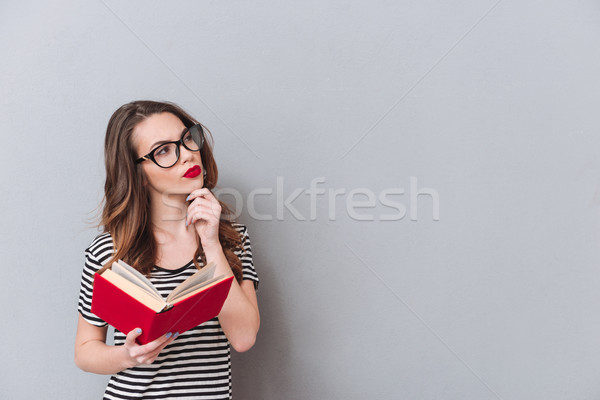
126, 211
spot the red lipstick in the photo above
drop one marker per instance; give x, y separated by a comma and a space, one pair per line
193, 172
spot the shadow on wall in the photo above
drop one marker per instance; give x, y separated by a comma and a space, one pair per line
273, 368
270, 370
265, 371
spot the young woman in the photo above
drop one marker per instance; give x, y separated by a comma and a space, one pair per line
160, 217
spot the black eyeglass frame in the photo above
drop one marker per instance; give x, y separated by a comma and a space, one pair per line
150, 156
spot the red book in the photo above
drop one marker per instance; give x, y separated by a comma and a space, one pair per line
126, 299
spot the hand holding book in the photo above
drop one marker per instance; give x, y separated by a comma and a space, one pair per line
126, 299
137, 354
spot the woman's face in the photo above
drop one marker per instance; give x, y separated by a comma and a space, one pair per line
150, 134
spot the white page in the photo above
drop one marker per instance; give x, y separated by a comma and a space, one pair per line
134, 276
204, 275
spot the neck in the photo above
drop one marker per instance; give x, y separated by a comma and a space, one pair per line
176, 243
168, 211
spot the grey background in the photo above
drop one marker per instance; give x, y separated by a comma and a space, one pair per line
493, 104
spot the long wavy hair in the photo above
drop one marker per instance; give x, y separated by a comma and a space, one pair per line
126, 203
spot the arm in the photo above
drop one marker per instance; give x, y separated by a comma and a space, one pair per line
92, 354
239, 316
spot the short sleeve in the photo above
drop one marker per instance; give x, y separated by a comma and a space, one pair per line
95, 256
245, 255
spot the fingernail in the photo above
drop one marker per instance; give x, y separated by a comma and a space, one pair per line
186, 223
169, 335
188, 198
175, 335
138, 330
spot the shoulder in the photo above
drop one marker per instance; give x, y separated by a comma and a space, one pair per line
96, 255
101, 248
244, 246
101, 243
241, 228
244, 253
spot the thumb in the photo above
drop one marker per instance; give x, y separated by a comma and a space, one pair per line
131, 336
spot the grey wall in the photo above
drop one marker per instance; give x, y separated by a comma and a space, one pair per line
491, 105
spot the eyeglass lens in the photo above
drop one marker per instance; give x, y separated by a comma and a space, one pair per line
168, 154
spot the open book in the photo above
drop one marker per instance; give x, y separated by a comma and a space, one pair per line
126, 299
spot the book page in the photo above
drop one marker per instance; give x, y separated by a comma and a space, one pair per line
134, 290
182, 295
194, 282
134, 276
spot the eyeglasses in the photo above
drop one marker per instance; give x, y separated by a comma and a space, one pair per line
167, 154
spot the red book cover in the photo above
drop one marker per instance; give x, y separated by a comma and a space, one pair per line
125, 313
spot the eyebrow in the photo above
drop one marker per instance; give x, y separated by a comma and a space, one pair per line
161, 142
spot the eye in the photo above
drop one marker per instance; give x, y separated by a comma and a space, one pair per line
188, 137
163, 151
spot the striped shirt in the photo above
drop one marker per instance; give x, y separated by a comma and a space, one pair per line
197, 365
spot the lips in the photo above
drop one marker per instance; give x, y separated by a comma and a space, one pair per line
193, 172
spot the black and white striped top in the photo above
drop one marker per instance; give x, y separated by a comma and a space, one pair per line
196, 365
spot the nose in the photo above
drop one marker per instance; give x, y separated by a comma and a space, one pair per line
185, 154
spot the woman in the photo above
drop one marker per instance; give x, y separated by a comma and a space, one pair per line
160, 217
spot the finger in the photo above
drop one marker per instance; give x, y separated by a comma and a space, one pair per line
156, 343
205, 209
204, 202
203, 192
131, 336
207, 216
201, 204
203, 212
198, 203
151, 356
